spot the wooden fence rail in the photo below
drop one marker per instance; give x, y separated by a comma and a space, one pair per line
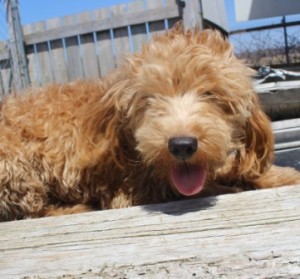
90, 44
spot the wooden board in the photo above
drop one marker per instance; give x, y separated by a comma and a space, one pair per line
88, 50
43, 56
5, 70
91, 44
248, 235
32, 59
157, 26
106, 58
281, 104
59, 63
287, 133
74, 62
138, 31
120, 35
109, 23
287, 142
288, 157
6, 78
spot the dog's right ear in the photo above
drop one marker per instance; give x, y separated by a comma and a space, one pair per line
258, 153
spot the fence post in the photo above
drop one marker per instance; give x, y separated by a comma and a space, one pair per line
192, 14
286, 43
17, 50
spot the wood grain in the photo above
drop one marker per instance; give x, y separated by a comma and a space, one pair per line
90, 44
248, 235
74, 60
58, 58
104, 42
88, 50
101, 25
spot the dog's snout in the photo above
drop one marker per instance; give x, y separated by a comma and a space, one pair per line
183, 147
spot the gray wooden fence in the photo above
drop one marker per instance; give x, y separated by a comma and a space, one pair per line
90, 44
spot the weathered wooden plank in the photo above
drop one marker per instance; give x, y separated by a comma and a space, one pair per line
287, 134
104, 44
43, 56
6, 77
158, 26
288, 157
287, 142
285, 124
4, 53
105, 24
121, 40
73, 50
5, 69
192, 14
18, 61
281, 104
138, 32
280, 96
59, 63
88, 50
248, 235
2, 89
172, 21
32, 59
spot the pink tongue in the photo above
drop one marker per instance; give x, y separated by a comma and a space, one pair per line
188, 179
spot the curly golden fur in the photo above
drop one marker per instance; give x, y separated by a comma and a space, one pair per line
178, 119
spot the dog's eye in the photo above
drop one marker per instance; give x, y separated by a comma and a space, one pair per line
206, 94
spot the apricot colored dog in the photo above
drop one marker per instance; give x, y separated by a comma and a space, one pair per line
178, 119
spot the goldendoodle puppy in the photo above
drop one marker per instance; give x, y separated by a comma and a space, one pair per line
178, 119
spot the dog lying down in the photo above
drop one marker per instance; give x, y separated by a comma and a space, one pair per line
178, 119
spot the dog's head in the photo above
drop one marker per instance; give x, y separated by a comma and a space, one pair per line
190, 105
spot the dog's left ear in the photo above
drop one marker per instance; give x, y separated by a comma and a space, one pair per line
258, 154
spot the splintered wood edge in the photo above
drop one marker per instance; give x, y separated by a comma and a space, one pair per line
247, 235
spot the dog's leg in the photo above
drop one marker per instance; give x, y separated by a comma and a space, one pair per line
53, 210
120, 200
22, 194
278, 176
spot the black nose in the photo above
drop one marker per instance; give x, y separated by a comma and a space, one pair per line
183, 147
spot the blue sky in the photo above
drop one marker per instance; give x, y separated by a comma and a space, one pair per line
38, 10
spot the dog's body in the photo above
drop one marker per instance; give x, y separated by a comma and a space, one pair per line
178, 119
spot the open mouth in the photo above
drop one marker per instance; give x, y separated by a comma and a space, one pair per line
189, 179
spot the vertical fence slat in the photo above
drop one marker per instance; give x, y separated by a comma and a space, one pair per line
59, 63
73, 51
18, 61
65, 59
171, 21
138, 32
6, 74
157, 26
43, 56
104, 45
88, 50
121, 40
2, 89
32, 59
86, 55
